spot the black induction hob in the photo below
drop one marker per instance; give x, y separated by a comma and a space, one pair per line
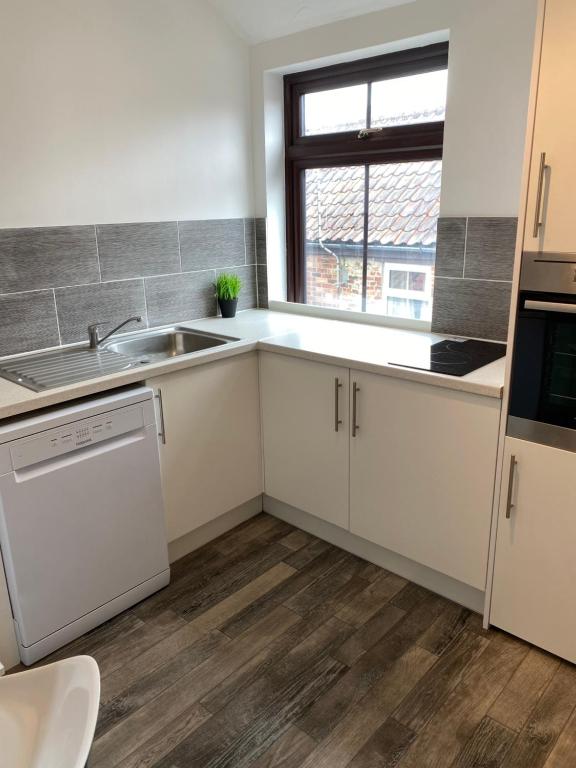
457, 358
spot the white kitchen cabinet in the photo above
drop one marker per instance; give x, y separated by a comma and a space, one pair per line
422, 468
535, 563
305, 450
551, 185
211, 459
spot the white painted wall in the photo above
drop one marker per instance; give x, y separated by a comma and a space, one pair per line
122, 110
489, 74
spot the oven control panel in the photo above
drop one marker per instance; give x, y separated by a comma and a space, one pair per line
75, 436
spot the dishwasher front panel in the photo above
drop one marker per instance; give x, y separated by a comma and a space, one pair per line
81, 529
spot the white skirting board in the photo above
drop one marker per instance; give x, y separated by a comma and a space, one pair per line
200, 536
437, 582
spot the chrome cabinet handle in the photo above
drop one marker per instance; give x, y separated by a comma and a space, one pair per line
337, 419
162, 433
509, 504
537, 218
355, 426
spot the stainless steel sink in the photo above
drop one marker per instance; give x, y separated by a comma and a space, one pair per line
155, 346
62, 367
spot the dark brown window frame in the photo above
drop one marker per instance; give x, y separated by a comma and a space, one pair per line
420, 141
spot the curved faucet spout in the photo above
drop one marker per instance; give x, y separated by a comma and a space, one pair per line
94, 339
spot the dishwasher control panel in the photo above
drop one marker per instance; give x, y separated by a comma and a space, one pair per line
76, 435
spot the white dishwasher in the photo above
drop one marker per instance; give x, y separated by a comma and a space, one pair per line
81, 516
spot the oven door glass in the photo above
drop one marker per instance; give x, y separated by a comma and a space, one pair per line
543, 385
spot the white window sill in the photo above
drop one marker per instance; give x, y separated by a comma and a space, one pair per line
349, 316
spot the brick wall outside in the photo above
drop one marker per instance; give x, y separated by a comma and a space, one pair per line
336, 281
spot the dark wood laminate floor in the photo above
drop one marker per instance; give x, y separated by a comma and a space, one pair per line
273, 649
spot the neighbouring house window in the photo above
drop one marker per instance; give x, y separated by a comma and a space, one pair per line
406, 291
362, 208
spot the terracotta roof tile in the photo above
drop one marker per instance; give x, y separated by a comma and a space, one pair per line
404, 197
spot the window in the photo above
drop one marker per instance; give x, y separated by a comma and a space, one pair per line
406, 292
363, 172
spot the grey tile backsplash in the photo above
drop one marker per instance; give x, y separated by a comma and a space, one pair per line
450, 245
173, 297
473, 276
490, 245
250, 240
477, 308
216, 243
261, 262
55, 281
110, 303
262, 282
47, 256
27, 321
138, 250
260, 240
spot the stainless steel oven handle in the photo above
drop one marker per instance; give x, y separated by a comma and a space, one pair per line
550, 306
537, 219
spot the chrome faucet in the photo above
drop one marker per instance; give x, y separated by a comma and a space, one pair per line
94, 339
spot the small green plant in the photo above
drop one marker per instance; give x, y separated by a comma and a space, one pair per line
228, 286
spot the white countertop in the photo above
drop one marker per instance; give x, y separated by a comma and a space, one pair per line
365, 347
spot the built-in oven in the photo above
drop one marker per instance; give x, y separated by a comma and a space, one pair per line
543, 386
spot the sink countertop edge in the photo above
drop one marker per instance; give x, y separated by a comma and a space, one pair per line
259, 330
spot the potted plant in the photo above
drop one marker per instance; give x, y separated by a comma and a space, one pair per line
227, 290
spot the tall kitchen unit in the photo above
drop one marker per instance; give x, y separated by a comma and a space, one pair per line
534, 577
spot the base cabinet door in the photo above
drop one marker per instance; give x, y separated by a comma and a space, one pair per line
211, 458
305, 448
535, 563
422, 465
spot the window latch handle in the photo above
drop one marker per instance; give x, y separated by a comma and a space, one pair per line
365, 133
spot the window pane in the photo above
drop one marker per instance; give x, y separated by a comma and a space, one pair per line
412, 99
406, 308
417, 281
398, 279
334, 227
340, 109
404, 201
402, 215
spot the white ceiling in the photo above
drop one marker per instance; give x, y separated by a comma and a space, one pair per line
259, 20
